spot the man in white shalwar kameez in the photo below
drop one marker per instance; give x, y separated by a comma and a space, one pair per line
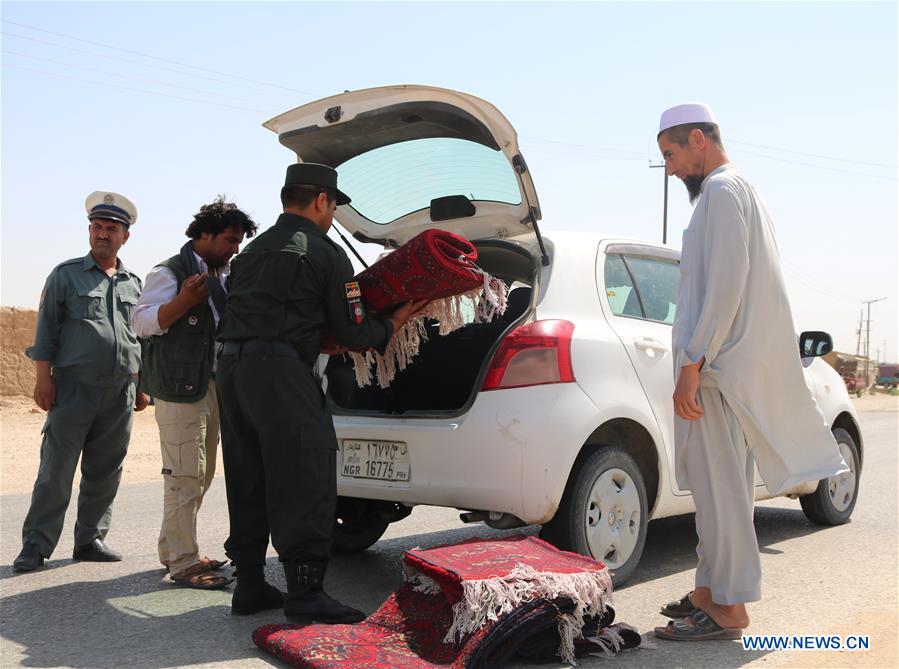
740, 397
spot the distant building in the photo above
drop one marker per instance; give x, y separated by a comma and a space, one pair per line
852, 369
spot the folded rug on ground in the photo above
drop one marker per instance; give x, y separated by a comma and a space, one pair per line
475, 604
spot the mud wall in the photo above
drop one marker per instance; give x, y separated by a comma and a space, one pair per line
16, 334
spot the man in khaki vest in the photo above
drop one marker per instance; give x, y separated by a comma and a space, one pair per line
177, 314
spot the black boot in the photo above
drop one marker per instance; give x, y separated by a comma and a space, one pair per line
306, 599
252, 594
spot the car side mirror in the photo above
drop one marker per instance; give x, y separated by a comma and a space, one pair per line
814, 343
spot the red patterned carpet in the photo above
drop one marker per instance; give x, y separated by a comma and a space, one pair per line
430, 266
434, 265
540, 602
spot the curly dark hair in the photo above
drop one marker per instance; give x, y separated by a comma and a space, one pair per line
217, 217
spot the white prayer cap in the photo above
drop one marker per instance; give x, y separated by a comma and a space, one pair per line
691, 112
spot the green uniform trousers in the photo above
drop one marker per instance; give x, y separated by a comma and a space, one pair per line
279, 453
94, 422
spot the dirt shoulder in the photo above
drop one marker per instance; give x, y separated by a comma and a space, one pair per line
876, 402
20, 446
20, 441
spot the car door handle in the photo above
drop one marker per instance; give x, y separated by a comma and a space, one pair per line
650, 344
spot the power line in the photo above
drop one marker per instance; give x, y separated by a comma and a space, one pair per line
130, 88
810, 285
164, 60
811, 155
572, 147
586, 153
126, 60
820, 167
587, 146
115, 74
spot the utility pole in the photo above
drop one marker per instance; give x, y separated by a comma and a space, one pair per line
664, 206
868, 336
858, 344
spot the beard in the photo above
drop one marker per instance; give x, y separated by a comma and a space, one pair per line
694, 186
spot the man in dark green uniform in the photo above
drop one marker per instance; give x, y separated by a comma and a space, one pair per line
278, 442
87, 359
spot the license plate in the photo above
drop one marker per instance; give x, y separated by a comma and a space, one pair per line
379, 460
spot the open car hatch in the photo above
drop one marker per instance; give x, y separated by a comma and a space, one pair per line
416, 157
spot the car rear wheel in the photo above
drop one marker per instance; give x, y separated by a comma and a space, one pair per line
834, 499
358, 524
603, 513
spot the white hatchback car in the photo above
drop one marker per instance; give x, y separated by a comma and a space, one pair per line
560, 412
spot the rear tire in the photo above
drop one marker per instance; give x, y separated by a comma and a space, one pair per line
357, 525
603, 513
834, 500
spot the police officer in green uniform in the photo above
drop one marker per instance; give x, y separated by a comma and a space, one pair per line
278, 442
87, 359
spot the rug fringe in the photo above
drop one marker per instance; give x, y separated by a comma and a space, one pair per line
609, 642
487, 599
487, 301
569, 630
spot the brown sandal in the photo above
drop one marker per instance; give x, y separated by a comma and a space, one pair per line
199, 578
698, 626
208, 565
680, 608
213, 565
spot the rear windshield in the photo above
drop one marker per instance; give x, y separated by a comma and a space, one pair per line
392, 181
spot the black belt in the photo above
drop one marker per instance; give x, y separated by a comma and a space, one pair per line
259, 346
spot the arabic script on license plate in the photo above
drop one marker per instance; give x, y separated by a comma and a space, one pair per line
380, 460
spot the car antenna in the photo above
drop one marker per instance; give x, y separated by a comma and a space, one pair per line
350, 246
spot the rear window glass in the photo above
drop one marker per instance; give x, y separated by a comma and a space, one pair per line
657, 282
620, 289
392, 181
655, 295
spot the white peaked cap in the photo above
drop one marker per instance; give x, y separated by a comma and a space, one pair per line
110, 206
691, 112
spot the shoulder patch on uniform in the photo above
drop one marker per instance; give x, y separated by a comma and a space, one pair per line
354, 302
352, 290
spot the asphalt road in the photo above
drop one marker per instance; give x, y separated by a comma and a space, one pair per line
840, 580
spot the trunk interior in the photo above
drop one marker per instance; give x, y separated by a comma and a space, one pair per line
445, 375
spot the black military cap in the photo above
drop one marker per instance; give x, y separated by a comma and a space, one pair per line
315, 174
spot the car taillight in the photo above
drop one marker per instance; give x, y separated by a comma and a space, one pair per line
531, 355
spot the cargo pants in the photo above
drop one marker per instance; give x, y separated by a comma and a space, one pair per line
91, 419
188, 436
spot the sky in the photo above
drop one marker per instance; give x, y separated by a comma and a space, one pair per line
163, 102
